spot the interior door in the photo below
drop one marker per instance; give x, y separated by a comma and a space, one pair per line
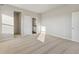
75, 26
27, 25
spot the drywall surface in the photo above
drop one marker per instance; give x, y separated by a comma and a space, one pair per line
75, 26
38, 23
58, 22
27, 25
0, 23
8, 11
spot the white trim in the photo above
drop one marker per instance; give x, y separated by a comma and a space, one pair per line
60, 36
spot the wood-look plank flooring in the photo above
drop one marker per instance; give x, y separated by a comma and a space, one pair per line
31, 45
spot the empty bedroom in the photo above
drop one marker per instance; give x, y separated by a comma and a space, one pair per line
39, 28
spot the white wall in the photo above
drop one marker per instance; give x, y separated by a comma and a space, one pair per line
38, 23
58, 22
75, 26
27, 24
0, 22
9, 10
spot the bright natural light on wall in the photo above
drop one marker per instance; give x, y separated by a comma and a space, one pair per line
7, 24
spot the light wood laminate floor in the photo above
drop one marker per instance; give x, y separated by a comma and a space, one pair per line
38, 45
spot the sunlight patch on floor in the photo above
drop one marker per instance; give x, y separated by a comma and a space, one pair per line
41, 37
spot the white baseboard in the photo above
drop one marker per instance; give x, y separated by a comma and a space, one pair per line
61, 36
64, 37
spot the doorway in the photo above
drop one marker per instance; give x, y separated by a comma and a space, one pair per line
34, 26
17, 23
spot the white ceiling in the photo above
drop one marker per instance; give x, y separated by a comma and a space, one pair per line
38, 8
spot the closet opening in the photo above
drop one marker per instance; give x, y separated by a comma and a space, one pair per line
34, 26
17, 23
